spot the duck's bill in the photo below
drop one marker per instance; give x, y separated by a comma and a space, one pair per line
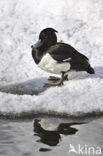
37, 44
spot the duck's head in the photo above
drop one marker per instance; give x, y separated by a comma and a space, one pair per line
47, 38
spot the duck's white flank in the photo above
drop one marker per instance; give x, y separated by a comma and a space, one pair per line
48, 64
47, 125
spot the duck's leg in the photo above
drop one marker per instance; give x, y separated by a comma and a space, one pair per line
53, 78
58, 83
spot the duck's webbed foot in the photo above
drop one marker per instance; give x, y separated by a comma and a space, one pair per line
55, 79
59, 81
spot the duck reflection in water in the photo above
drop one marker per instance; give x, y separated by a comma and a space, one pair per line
52, 137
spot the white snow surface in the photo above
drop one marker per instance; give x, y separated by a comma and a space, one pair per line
80, 24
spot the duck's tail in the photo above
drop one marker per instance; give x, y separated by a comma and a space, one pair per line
90, 70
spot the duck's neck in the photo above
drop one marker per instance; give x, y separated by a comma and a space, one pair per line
37, 53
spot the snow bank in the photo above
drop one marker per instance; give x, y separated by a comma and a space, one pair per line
80, 24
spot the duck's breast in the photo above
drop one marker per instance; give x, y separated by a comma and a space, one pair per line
49, 64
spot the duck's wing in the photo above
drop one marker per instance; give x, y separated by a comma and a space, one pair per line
63, 52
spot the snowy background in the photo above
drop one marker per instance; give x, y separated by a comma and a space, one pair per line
80, 23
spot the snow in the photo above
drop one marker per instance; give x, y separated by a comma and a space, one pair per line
21, 82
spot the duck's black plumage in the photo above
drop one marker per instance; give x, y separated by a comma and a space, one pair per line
48, 38
58, 58
62, 53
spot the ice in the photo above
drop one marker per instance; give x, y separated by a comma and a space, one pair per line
21, 81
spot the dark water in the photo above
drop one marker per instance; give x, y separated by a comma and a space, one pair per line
24, 138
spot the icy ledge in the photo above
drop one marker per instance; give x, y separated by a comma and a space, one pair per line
81, 95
